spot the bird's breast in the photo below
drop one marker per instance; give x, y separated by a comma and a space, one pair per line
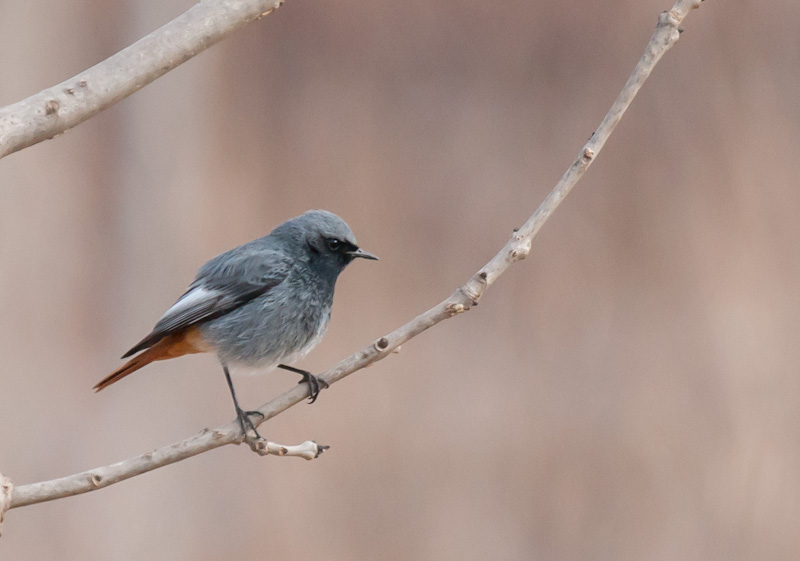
280, 327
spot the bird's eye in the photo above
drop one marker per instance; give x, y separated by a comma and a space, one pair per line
334, 244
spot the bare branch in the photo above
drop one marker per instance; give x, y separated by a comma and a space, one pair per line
6, 488
307, 450
517, 248
59, 108
103, 477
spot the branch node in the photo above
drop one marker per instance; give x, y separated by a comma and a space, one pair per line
277, 5
514, 255
588, 154
455, 308
670, 19
381, 344
51, 107
96, 480
258, 445
521, 249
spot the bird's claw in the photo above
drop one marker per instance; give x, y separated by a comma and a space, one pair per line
315, 385
246, 424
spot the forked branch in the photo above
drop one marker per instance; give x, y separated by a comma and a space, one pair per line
517, 248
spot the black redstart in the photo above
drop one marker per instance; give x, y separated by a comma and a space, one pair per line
258, 306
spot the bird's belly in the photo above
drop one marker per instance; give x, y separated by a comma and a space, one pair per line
247, 369
265, 366
257, 343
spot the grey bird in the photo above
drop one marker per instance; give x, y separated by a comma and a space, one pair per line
258, 306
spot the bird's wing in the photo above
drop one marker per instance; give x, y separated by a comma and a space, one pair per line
222, 285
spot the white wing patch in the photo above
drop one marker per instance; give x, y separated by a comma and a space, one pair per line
190, 300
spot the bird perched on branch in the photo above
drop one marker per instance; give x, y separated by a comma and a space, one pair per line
260, 305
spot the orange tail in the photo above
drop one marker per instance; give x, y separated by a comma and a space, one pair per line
129, 367
172, 346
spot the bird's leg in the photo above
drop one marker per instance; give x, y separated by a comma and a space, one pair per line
241, 414
315, 384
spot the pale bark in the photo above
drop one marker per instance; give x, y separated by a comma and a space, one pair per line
59, 108
518, 246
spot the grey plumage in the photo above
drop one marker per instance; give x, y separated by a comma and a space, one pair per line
259, 305
288, 319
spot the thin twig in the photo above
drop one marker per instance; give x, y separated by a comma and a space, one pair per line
55, 110
517, 248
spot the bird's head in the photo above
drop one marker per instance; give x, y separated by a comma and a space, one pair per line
326, 239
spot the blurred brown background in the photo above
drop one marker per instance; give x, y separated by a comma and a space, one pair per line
630, 391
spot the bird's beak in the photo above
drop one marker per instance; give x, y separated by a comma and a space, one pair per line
363, 254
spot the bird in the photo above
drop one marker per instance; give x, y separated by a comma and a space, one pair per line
261, 305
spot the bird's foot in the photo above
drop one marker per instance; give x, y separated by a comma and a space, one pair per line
315, 383
247, 424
